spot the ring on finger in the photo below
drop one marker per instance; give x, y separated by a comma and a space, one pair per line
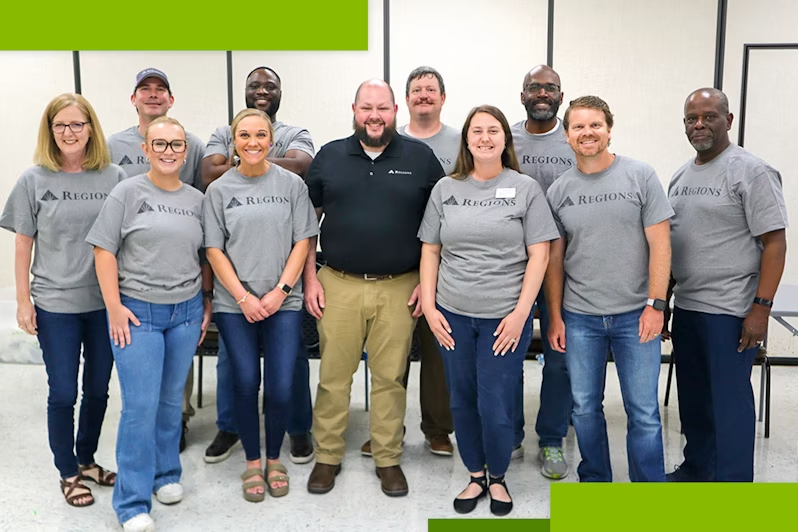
512, 340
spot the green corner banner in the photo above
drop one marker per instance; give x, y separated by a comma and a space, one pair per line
184, 25
625, 507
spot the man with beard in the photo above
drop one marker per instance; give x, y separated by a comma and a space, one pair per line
152, 97
292, 148
726, 279
605, 286
543, 154
373, 188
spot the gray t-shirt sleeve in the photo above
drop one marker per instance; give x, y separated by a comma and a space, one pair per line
302, 142
763, 202
552, 198
213, 218
538, 221
19, 214
219, 143
106, 233
306, 223
657, 208
430, 229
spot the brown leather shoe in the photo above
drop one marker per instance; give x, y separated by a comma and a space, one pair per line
440, 445
394, 483
365, 449
322, 478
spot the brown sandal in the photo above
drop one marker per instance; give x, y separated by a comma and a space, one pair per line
102, 478
67, 488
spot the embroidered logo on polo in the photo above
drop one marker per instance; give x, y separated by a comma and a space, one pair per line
493, 202
257, 200
598, 198
400, 172
146, 207
695, 191
74, 196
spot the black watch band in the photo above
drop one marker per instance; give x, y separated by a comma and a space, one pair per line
764, 302
207, 294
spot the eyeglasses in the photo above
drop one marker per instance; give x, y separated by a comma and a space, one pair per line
534, 88
160, 145
75, 127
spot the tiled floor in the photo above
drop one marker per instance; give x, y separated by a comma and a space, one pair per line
30, 498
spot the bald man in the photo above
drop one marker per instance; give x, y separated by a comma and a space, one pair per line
729, 249
544, 154
372, 187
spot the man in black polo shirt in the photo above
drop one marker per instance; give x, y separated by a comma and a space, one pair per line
373, 188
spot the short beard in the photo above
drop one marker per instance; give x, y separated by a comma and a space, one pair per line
703, 146
388, 134
540, 115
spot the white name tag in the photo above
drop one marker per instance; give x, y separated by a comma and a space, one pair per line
505, 193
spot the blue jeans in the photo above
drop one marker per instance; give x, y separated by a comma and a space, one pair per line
279, 336
300, 415
588, 340
716, 402
152, 373
556, 405
482, 391
61, 337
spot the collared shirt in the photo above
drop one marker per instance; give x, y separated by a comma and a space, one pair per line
373, 208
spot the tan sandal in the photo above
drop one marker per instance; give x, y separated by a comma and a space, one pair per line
97, 474
277, 492
249, 484
68, 488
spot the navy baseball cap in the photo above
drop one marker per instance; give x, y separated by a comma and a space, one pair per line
151, 73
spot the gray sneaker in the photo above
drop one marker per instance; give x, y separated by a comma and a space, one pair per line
553, 463
518, 452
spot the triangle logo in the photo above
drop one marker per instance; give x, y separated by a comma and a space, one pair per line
145, 207
49, 196
390, 171
125, 160
451, 201
233, 203
567, 202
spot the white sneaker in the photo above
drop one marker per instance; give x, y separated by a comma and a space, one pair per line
170, 493
139, 523
518, 452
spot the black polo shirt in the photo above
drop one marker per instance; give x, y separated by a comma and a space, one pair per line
372, 209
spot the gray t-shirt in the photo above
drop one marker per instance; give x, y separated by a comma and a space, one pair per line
256, 221
484, 228
542, 157
286, 138
57, 209
126, 151
156, 236
445, 144
602, 217
721, 208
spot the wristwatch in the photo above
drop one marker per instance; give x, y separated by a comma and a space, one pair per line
764, 302
658, 304
207, 294
285, 288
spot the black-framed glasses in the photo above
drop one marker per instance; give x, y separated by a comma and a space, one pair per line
534, 88
75, 127
160, 145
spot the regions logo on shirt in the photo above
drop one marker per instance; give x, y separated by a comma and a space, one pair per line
139, 160
493, 202
567, 202
146, 207
546, 159
125, 160
250, 200
598, 198
695, 191
67, 195
400, 172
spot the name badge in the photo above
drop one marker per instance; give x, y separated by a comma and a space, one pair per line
502, 193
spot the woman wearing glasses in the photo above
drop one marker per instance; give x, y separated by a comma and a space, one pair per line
53, 205
258, 220
147, 241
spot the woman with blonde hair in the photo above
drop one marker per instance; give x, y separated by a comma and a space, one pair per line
258, 221
51, 209
147, 239
485, 234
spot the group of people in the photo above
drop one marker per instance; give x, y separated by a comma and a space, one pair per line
451, 235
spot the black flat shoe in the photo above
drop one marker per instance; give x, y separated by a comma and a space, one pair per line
500, 507
464, 506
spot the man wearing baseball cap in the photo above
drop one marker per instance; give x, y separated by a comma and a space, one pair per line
152, 97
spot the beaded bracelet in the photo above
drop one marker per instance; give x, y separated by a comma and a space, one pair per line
242, 299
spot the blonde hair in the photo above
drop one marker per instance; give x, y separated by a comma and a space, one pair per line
245, 114
48, 154
163, 120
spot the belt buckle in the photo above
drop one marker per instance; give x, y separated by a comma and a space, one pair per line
367, 278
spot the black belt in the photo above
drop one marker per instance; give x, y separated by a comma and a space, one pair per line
365, 276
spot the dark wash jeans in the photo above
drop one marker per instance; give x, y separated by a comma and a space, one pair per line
61, 337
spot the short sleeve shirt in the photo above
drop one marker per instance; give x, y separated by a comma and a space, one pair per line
286, 138
542, 157
445, 144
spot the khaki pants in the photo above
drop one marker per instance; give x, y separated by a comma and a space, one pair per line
358, 314
436, 417
188, 391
